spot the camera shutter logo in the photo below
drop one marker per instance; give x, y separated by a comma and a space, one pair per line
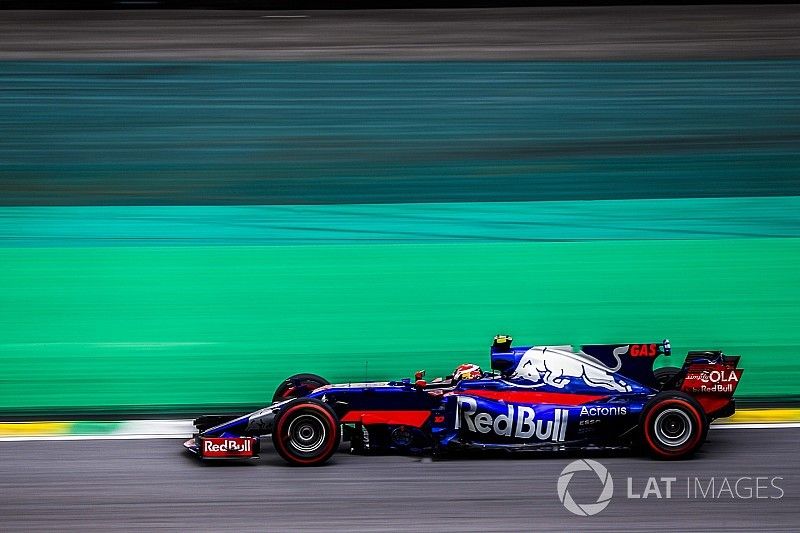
585, 509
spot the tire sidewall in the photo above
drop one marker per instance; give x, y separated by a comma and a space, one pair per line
674, 400
305, 407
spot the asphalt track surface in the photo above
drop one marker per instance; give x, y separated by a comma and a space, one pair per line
152, 484
551, 33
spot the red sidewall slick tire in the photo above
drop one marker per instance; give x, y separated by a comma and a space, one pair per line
306, 433
673, 426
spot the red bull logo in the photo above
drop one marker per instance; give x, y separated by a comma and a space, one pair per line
520, 421
228, 447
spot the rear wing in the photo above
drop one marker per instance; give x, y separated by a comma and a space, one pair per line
711, 377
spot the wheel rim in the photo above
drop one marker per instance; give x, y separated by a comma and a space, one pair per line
673, 427
307, 434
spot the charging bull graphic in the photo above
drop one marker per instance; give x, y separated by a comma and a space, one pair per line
547, 365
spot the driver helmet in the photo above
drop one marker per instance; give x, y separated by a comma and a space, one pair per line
467, 371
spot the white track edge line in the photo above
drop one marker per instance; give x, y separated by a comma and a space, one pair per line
757, 425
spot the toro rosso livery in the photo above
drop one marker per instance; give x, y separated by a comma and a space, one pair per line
536, 398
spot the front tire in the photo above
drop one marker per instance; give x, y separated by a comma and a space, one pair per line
306, 432
298, 386
673, 425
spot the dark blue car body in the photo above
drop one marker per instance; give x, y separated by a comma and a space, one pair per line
536, 398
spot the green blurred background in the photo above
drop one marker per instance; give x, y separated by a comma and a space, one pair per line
184, 235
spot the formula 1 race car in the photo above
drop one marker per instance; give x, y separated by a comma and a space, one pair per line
603, 396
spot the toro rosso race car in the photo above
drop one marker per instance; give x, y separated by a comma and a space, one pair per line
603, 396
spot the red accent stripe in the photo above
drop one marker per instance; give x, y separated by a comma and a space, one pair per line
400, 418
519, 396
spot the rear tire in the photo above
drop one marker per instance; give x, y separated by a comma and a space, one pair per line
665, 374
298, 386
673, 425
306, 432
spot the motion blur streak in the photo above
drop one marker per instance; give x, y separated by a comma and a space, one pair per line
542, 33
359, 132
156, 326
178, 233
298, 225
